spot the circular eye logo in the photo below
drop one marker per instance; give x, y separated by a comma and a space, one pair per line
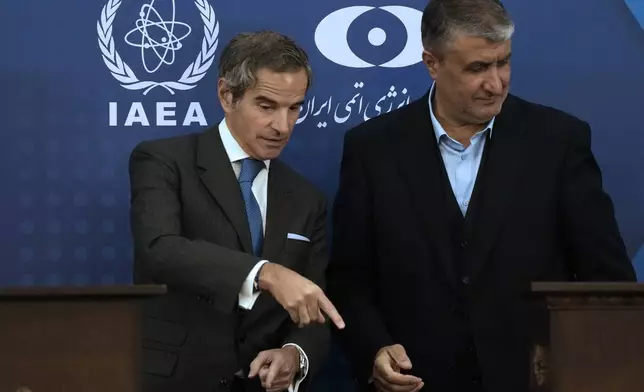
331, 36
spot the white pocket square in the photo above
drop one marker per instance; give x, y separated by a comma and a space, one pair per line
293, 236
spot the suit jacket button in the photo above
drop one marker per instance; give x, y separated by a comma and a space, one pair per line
463, 244
223, 383
465, 280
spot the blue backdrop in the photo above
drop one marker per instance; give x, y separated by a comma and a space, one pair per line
80, 86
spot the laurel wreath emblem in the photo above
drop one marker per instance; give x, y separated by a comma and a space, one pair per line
124, 74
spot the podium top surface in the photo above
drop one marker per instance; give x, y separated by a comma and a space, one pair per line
81, 291
588, 288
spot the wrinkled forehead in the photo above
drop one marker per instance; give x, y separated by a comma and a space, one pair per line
283, 88
467, 49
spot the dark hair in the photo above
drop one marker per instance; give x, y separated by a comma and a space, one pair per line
247, 53
444, 19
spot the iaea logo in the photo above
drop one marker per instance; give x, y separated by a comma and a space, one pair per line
172, 32
331, 36
637, 8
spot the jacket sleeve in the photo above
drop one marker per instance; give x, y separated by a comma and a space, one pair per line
351, 270
315, 338
595, 247
162, 254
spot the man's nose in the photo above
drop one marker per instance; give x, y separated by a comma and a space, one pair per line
494, 84
280, 122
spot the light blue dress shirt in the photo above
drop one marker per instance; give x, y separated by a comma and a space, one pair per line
461, 163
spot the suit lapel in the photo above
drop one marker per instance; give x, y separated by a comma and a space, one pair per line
219, 178
496, 191
277, 210
421, 166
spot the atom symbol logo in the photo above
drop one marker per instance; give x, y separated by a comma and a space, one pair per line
164, 45
169, 42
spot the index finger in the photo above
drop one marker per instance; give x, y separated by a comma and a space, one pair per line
331, 311
257, 363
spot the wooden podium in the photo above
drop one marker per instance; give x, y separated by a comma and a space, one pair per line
594, 338
76, 339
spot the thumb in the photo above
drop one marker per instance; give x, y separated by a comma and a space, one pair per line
399, 356
262, 358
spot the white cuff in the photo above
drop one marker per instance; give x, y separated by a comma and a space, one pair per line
300, 377
248, 296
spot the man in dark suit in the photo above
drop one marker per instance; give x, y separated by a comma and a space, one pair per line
450, 207
236, 235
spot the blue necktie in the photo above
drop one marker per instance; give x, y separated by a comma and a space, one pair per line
249, 170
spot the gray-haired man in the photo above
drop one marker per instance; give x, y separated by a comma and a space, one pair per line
449, 207
236, 235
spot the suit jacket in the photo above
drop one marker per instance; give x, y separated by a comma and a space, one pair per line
190, 232
399, 273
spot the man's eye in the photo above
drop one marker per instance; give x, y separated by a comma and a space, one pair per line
477, 68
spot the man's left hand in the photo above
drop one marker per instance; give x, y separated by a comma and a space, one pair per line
276, 368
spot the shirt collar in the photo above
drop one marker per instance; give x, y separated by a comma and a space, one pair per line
233, 149
438, 128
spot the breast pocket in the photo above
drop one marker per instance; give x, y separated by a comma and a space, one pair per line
297, 246
297, 254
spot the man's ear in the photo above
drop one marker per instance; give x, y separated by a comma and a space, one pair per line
225, 95
432, 63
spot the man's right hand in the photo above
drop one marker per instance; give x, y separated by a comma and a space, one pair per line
303, 300
390, 360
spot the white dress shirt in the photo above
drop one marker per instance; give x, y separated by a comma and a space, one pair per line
248, 296
461, 163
